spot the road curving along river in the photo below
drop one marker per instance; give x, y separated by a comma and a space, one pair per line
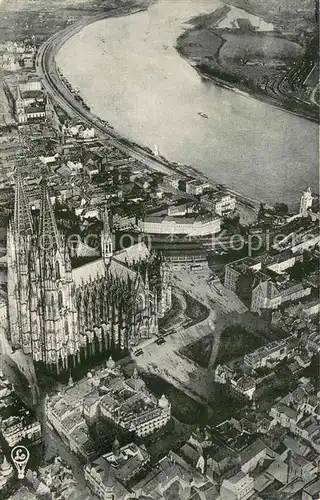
131, 75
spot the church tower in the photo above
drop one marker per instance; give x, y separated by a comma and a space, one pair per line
305, 202
19, 243
42, 310
58, 311
106, 236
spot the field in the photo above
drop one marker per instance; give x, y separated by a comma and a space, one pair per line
313, 77
199, 43
255, 54
248, 46
291, 15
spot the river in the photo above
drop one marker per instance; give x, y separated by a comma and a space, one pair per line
130, 74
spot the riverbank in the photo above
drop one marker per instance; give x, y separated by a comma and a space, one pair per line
20, 18
245, 205
257, 63
151, 95
267, 99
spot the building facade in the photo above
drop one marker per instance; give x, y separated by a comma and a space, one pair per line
235, 269
127, 404
238, 487
57, 313
305, 202
192, 226
108, 477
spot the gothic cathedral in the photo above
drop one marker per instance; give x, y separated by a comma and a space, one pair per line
58, 314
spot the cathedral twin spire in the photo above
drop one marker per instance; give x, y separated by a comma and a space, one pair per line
48, 231
42, 309
22, 215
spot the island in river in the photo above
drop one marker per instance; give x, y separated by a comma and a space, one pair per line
131, 75
240, 49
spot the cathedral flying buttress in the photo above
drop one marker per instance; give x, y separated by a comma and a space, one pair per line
59, 314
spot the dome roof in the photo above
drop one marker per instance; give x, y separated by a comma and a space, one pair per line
110, 363
163, 402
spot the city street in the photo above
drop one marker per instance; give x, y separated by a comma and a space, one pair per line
55, 446
166, 360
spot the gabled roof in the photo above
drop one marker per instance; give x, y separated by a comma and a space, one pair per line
268, 289
133, 254
82, 274
119, 270
252, 451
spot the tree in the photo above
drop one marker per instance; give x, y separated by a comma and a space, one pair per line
244, 287
281, 208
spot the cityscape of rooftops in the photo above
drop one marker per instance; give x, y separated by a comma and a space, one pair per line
159, 250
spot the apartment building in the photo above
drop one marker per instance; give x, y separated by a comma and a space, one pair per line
128, 405
269, 355
238, 487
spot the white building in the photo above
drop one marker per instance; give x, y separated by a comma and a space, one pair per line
196, 186
238, 487
265, 296
269, 355
305, 202
127, 404
109, 475
224, 204
283, 261
243, 385
193, 226
14, 431
253, 455
30, 84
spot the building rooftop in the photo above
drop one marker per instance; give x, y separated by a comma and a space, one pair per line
31, 94
286, 410
23, 493
91, 270
35, 109
237, 478
128, 461
133, 254
244, 264
313, 488
107, 476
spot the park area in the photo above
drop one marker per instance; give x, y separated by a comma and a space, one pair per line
235, 341
187, 413
185, 409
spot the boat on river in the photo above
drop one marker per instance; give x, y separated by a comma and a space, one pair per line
204, 115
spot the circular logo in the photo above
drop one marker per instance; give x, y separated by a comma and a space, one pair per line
20, 456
